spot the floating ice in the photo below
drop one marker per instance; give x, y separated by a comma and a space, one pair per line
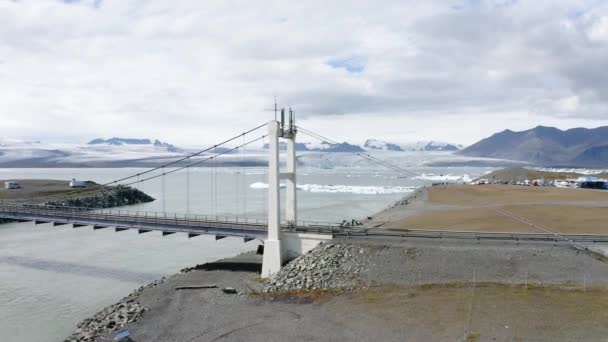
445, 178
352, 189
260, 185
356, 189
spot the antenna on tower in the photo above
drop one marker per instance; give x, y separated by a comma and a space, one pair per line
275, 109
291, 119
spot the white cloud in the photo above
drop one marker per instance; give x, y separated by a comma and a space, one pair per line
191, 72
568, 104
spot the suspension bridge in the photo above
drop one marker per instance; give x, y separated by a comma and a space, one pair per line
283, 238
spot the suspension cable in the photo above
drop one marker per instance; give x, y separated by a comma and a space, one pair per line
201, 160
161, 167
164, 173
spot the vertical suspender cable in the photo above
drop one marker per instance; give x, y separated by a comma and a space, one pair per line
163, 190
245, 185
265, 179
212, 187
187, 191
215, 182
208, 208
237, 176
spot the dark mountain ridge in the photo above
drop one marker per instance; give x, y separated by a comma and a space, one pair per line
546, 146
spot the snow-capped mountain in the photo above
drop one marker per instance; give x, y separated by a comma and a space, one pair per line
121, 152
8, 142
321, 147
431, 146
373, 144
325, 146
128, 141
98, 152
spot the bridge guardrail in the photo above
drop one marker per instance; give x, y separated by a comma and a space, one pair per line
109, 212
131, 216
136, 216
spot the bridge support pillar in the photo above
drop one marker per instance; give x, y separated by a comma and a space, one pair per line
273, 253
290, 181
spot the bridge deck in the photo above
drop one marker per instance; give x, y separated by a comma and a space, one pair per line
247, 229
142, 221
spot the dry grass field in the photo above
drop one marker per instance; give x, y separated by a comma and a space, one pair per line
482, 208
491, 312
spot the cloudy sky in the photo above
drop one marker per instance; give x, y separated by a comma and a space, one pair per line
192, 72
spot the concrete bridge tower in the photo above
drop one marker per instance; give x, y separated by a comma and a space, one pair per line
273, 249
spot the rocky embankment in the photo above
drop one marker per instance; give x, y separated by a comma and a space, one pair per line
112, 318
107, 197
328, 267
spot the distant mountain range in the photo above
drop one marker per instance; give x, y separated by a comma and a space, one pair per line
128, 141
424, 146
131, 152
322, 147
373, 145
546, 146
113, 152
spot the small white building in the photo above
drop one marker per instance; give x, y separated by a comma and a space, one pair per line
77, 184
11, 185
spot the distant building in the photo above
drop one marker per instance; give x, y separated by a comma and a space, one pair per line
77, 184
11, 185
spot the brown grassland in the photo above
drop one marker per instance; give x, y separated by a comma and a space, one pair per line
483, 207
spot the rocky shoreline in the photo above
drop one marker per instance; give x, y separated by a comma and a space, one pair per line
129, 309
116, 316
106, 197
112, 318
327, 267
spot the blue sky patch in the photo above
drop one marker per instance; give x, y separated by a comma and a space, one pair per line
354, 64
